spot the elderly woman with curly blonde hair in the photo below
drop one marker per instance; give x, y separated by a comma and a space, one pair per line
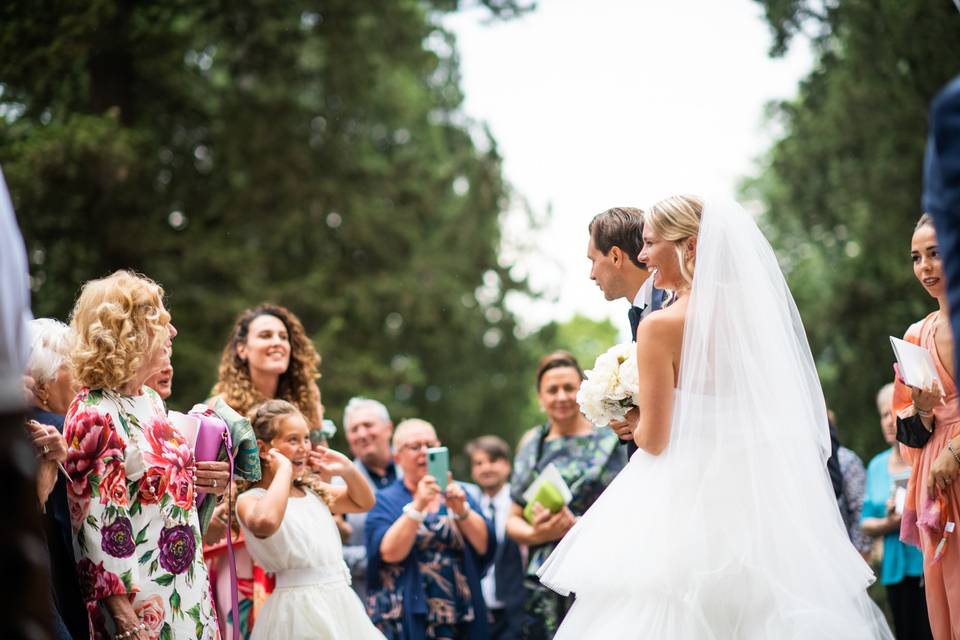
133, 476
267, 357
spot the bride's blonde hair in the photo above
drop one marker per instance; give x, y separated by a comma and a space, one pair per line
675, 219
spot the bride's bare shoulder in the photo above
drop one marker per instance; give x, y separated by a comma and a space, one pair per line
665, 324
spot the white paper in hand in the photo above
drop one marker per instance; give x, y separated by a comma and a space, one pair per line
551, 475
916, 364
188, 426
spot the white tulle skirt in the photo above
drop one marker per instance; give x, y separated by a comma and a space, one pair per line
711, 541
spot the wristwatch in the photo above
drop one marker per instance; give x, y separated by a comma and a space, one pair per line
411, 512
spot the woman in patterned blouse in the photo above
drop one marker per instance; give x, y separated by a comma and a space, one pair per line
587, 458
133, 476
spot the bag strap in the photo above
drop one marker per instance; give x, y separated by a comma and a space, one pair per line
234, 595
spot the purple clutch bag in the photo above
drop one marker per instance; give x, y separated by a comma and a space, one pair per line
213, 437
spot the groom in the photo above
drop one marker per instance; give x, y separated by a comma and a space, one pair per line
615, 243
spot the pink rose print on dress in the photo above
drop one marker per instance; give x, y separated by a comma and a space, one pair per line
79, 508
151, 611
113, 486
169, 450
153, 485
93, 444
96, 583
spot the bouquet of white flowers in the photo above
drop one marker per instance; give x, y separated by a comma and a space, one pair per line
611, 387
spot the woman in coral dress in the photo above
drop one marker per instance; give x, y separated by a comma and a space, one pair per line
928, 427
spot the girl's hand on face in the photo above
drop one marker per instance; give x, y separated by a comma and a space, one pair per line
277, 461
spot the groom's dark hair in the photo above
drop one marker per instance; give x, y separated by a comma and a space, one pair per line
619, 227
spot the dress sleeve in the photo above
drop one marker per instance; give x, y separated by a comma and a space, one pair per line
872, 508
523, 464
854, 485
903, 399
379, 519
104, 540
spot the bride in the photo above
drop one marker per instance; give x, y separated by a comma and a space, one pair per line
724, 524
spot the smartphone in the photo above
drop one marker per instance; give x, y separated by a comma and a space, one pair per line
438, 465
317, 437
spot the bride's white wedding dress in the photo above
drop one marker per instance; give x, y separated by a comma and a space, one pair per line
733, 532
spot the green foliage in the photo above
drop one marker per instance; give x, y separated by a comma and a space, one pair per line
841, 188
312, 155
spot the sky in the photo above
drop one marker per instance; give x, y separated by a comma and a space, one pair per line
603, 103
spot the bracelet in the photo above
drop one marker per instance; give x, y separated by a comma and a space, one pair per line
953, 451
411, 512
466, 514
130, 633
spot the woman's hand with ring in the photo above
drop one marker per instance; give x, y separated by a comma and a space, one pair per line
213, 477
942, 472
48, 442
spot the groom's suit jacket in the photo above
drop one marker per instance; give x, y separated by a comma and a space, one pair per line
941, 189
659, 297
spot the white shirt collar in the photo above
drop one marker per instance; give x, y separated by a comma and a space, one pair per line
644, 296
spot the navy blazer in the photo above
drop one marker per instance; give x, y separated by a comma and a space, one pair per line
941, 189
509, 575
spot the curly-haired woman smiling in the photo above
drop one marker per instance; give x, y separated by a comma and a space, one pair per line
133, 476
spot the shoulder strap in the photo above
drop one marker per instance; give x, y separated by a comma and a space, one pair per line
234, 596
544, 429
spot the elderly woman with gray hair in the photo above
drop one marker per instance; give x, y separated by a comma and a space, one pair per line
49, 366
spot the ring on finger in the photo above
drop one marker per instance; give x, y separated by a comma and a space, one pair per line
46, 449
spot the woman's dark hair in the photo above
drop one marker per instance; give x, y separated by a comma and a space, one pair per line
557, 360
297, 384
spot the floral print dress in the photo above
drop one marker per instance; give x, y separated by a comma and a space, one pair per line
587, 463
134, 519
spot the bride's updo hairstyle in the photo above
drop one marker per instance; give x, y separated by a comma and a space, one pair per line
676, 219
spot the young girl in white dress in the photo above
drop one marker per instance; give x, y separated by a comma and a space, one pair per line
288, 524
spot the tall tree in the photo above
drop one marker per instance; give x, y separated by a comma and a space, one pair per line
841, 187
310, 153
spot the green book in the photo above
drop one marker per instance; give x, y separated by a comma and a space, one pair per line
549, 489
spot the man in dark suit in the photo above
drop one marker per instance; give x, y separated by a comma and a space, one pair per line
614, 249
503, 588
941, 189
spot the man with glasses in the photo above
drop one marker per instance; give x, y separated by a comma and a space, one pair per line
427, 549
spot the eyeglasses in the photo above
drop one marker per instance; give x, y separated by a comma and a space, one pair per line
414, 447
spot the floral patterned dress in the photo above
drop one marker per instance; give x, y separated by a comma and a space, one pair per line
135, 525
587, 463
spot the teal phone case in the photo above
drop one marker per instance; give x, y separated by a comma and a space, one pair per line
438, 465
